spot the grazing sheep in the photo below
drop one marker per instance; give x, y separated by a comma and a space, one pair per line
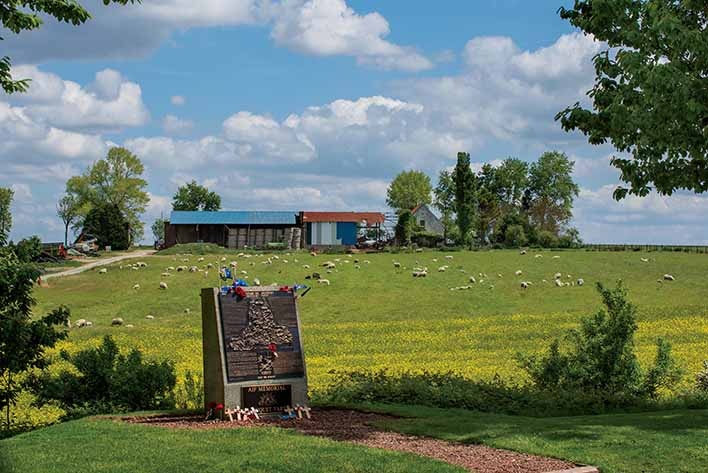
396, 264
210, 265
420, 274
163, 285
187, 311
580, 282
149, 317
102, 271
559, 283
644, 260
473, 280
306, 266
356, 266
524, 285
80, 323
538, 256
244, 272
442, 269
366, 261
170, 268
117, 321
556, 257
88, 324
499, 275
166, 275
523, 252
136, 286
193, 269
129, 326
557, 276
448, 257
141, 264
518, 272
669, 277
323, 281
200, 259
257, 282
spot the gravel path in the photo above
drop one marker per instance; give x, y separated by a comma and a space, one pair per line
356, 427
101, 262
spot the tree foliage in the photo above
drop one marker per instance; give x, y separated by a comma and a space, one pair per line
24, 336
444, 199
68, 212
158, 229
409, 189
405, 226
6, 195
464, 196
115, 181
17, 16
551, 191
650, 96
107, 224
192, 196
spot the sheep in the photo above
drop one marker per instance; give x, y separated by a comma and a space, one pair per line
89, 323
523, 252
538, 256
193, 269
396, 264
461, 288
163, 285
244, 272
442, 269
328, 265
524, 285
448, 257
669, 277
306, 266
136, 287
356, 266
556, 257
199, 260
187, 311
559, 283
166, 275
80, 323
518, 272
170, 268
499, 275
323, 281
257, 281
473, 280
206, 274
117, 321
557, 276
210, 265
275, 257
644, 260
102, 271
419, 274
149, 317
141, 264
366, 261
580, 282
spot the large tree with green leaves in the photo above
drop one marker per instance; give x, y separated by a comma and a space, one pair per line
409, 189
68, 212
465, 191
6, 195
192, 196
650, 97
113, 181
24, 336
444, 199
17, 16
551, 192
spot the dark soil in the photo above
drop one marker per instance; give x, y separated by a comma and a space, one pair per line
357, 427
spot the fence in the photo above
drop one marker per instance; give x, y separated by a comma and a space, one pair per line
636, 247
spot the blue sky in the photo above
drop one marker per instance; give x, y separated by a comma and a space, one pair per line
312, 104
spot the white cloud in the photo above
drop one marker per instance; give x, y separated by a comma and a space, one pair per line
173, 125
22, 192
178, 100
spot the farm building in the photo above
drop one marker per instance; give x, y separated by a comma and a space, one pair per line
339, 228
235, 229
427, 219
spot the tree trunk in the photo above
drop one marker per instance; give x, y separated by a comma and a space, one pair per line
66, 234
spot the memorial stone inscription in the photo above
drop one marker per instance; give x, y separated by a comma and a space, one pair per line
259, 352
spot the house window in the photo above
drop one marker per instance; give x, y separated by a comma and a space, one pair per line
422, 222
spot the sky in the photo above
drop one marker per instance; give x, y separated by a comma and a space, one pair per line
310, 105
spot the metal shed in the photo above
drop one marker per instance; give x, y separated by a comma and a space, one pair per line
338, 228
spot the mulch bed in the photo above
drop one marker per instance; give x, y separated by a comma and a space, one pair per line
357, 427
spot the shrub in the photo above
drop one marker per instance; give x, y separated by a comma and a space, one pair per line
601, 358
515, 236
702, 378
190, 393
404, 227
105, 380
109, 226
427, 240
547, 239
29, 249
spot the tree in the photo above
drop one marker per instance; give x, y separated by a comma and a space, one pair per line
107, 224
115, 181
511, 179
68, 212
158, 229
6, 195
24, 336
409, 189
17, 16
404, 227
551, 192
650, 96
444, 200
192, 196
464, 196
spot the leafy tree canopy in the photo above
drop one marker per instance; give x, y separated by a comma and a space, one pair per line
192, 196
465, 191
6, 195
409, 189
115, 181
24, 15
552, 191
107, 224
650, 97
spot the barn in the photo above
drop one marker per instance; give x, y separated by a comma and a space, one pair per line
235, 229
339, 228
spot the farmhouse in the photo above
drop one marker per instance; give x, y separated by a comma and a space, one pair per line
235, 229
339, 228
427, 219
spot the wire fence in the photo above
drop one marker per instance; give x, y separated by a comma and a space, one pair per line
648, 248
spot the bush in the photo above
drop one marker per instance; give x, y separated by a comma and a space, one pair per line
427, 240
29, 249
104, 380
109, 226
404, 228
547, 239
601, 359
515, 236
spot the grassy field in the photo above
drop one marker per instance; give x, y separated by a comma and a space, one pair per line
379, 316
105, 446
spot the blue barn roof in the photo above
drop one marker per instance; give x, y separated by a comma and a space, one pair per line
181, 217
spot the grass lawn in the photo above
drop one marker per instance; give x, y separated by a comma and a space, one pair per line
100, 445
665, 441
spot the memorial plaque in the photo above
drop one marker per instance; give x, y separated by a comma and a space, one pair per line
269, 398
252, 349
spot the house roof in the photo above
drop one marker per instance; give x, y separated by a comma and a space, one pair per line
370, 217
181, 217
